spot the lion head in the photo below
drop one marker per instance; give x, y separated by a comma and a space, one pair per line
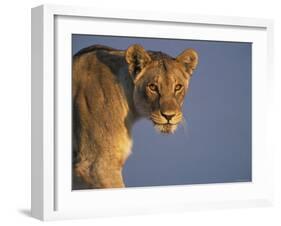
160, 84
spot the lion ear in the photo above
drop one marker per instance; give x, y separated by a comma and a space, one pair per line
189, 58
137, 58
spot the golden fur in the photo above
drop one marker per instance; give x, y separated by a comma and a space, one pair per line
111, 90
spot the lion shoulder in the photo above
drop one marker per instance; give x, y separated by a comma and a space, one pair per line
98, 61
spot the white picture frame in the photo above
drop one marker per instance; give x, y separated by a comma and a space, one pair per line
52, 197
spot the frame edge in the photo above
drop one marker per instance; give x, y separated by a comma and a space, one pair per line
37, 39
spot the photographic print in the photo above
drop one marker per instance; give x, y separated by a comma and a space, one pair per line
160, 112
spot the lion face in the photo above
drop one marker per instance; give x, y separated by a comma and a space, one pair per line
159, 95
161, 83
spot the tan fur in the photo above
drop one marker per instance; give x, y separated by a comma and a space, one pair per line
111, 90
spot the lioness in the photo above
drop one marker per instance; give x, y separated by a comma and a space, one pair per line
111, 90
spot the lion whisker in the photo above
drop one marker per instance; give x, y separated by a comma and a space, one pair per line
184, 125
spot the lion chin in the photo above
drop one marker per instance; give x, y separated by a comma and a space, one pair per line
165, 128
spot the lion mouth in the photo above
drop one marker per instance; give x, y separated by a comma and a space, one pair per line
165, 128
165, 125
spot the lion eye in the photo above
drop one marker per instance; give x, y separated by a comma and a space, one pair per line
178, 87
152, 87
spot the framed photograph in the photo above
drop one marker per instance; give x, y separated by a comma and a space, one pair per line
141, 112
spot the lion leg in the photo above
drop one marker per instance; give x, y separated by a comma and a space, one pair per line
105, 176
99, 175
81, 176
100, 164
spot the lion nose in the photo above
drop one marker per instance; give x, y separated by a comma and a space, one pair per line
168, 115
